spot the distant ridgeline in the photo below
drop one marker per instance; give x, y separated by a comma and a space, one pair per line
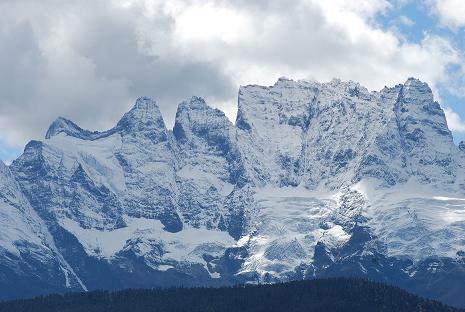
339, 294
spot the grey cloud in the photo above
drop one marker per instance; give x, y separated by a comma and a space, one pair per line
109, 55
116, 53
97, 76
21, 63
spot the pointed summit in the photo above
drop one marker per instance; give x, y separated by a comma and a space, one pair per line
144, 118
145, 111
412, 81
195, 102
145, 103
416, 90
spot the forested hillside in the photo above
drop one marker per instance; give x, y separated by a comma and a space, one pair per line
327, 295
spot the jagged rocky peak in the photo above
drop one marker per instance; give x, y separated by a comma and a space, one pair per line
144, 119
293, 102
426, 138
195, 118
194, 103
416, 90
31, 150
286, 102
416, 101
285, 82
197, 108
145, 111
63, 125
350, 87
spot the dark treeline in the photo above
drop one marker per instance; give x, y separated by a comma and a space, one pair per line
338, 294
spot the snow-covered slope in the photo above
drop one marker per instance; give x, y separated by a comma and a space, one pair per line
314, 179
28, 255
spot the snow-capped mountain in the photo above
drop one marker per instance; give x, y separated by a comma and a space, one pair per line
313, 180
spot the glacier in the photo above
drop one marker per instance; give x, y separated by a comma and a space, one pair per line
312, 180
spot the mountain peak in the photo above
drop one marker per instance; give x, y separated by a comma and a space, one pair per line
194, 116
283, 80
144, 118
195, 102
59, 125
416, 91
63, 125
145, 103
145, 110
414, 81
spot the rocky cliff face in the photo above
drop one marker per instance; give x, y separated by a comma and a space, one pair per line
29, 259
313, 179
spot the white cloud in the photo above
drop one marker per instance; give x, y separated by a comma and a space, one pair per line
451, 12
404, 20
455, 123
309, 39
210, 22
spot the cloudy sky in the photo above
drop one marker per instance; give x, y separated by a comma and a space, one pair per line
89, 60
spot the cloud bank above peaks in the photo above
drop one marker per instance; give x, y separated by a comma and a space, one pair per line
451, 13
89, 60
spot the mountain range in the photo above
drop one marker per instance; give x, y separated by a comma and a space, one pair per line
312, 180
